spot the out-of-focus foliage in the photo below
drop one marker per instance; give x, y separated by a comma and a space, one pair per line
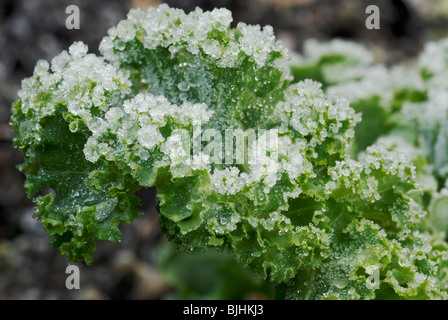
210, 275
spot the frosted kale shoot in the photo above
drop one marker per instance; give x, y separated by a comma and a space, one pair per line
168, 104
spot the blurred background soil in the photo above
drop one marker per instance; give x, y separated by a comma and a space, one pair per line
31, 30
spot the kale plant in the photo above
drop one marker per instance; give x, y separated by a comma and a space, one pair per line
319, 212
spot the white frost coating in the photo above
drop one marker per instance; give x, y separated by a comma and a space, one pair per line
70, 83
440, 150
178, 153
139, 121
229, 180
149, 136
394, 163
379, 81
400, 144
431, 119
374, 82
84, 81
256, 42
433, 58
351, 174
114, 114
78, 50
125, 30
266, 168
304, 109
147, 108
93, 150
315, 50
355, 59
172, 28
173, 148
405, 77
59, 62
294, 164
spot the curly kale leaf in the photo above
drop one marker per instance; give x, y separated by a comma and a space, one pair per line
152, 113
77, 200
